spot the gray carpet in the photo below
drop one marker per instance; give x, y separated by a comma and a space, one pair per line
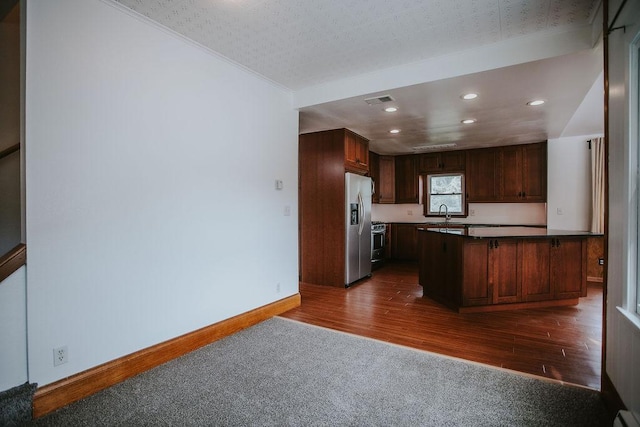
16, 404
281, 372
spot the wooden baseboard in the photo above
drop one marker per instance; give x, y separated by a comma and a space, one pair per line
610, 396
61, 393
594, 279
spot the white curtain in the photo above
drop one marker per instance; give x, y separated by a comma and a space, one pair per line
597, 185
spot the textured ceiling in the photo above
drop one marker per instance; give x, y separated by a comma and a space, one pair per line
309, 45
299, 43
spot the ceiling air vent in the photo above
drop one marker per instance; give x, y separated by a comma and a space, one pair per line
379, 99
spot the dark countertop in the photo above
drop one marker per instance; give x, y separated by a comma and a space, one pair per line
454, 224
508, 232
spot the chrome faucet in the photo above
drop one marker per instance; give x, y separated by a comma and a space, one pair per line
447, 217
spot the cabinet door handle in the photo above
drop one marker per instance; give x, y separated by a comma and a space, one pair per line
553, 243
524, 194
496, 244
444, 246
490, 244
558, 242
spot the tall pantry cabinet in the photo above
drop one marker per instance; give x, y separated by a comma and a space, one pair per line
323, 159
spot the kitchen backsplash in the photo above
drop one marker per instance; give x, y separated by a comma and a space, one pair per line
479, 213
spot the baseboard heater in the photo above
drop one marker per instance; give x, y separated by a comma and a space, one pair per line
625, 419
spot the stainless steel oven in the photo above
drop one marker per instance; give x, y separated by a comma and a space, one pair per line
378, 232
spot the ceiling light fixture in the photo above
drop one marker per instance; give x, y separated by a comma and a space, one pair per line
469, 96
394, 131
536, 102
468, 121
391, 109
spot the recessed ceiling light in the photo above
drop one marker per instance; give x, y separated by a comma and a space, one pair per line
468, 121
469, 96
391, 109
536, 102
394, 131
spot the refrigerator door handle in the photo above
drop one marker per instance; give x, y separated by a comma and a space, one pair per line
361, 208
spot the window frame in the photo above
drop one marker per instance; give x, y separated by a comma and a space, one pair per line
427, 194
633, 289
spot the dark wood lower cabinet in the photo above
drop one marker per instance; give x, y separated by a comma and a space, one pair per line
502, 273
491, 273
535, 259
505, 272
404, 242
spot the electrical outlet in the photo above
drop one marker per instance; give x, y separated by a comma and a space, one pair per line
600, 261
278, 288
287, 210
559, 211
410, 212
60, 355
472, 212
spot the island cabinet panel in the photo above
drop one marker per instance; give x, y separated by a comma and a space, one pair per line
554, 268
505, 278
491, 272
487, 274
536, 269
476, 289
406, 179
440, 274
569, 267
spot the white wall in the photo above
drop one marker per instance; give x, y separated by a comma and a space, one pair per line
151, 209
623, 337
569, 183
13, 331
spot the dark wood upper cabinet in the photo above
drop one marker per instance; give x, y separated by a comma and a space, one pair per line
386, 184
356, 153
447, 161
516, 173
534, 172
406, 179
524, 173
374, 173
482, 177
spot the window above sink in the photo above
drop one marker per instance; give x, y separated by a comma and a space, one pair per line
445, 189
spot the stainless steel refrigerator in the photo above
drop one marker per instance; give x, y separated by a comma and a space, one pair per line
357, 227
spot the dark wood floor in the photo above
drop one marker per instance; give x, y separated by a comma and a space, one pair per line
562, 343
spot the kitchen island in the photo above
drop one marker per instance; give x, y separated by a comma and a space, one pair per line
474, 269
